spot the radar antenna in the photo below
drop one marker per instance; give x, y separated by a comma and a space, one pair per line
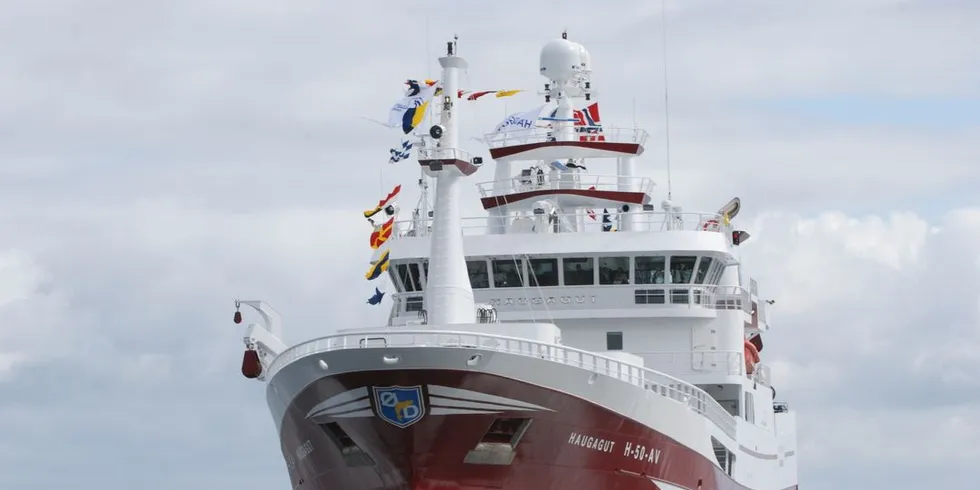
663, 20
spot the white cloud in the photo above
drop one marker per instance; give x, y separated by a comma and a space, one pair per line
158, 160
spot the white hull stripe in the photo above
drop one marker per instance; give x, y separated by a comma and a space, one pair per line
443, 400
476, 396
342, 402
359, 413
454, 403
459, 411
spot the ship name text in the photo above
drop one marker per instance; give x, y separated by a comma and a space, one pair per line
629, 450
641, 453
577, 299
304, 450
589, 442
301, 452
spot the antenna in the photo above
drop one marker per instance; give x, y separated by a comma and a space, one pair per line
634, 111
663, 20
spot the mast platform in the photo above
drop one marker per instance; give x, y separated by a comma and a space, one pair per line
433, 158
568, 190
542, 144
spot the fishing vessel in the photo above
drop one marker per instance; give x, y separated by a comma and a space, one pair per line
545, 344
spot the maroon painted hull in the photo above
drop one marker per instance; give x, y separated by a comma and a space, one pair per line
575, 444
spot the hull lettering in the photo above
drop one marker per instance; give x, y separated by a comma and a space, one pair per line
589, 442
629, 450
573, 299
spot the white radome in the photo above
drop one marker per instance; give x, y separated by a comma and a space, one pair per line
561, 60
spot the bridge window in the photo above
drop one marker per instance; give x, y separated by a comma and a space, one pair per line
649, 270
649, 297
408, 275
579, 271
703, 267
543, 272
614, 270
614, 340
479, 275
681, 269
415, 303
507, 273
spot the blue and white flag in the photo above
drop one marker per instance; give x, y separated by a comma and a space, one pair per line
404, 151
520, 122
409, 112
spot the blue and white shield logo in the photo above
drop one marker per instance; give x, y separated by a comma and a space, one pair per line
400, 406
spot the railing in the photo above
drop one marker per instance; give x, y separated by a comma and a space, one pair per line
640, 297
695, 362
565, 180
667, 386
437, 153
639, 221
762, 374
540, 135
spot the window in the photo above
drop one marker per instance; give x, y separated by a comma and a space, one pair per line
479, 275
681, 269
579, 271
702, 270
614, 270
614, 340
649, 297
649, 270
749, 407
414, 303
507, 273
408, 275
543, 272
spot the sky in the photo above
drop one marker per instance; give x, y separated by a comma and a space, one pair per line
160, 159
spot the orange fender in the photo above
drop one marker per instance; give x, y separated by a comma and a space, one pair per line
751, 357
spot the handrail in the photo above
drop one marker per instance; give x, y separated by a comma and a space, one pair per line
665, 385
521, 136
640, 221
565, 180
438, 153
761, 374
707, 296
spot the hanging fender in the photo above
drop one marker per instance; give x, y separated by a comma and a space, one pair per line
251, 365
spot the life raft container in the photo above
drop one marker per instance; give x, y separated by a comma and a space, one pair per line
751, 357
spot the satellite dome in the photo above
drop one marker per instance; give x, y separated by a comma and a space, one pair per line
561, 60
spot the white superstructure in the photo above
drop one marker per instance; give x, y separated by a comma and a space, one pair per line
649, 299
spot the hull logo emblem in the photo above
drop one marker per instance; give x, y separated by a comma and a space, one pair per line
400, 406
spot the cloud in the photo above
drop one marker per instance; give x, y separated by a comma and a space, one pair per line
876, 334
158, 160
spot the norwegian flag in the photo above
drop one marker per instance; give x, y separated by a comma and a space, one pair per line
588, 118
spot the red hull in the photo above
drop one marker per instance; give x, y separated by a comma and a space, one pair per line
578, 445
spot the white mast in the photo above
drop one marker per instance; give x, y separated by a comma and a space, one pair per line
448, 296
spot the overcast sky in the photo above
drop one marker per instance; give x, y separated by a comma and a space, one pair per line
159, 159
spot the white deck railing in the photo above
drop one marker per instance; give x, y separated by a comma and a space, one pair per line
565, 181
708, 296
667, 386
437, 153
641, 221
542, 135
